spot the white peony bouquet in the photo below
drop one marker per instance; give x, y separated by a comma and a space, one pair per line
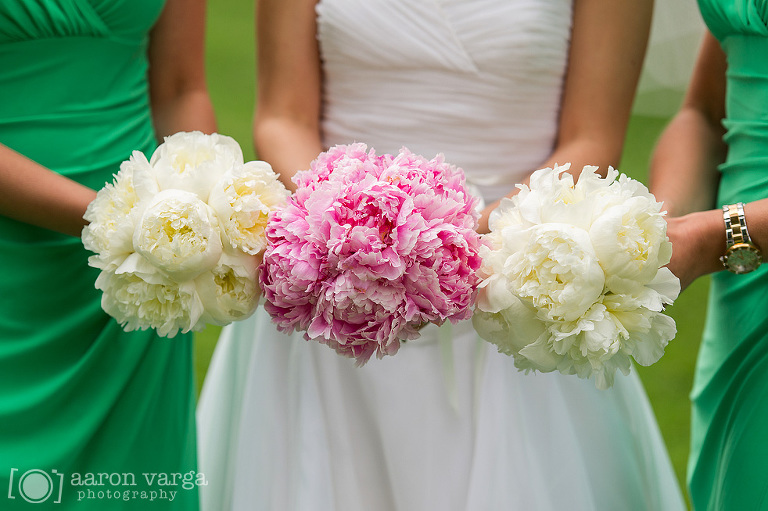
177, 237
574, 276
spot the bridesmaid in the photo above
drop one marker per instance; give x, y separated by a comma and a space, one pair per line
713, 155
85, 408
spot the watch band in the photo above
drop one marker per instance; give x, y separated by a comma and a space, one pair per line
735, 224
741, 255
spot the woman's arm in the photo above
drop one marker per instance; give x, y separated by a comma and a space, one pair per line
608, 41
178, 91
34, 194
684, 171
286, 127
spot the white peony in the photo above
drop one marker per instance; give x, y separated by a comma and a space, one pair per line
178, 234
138, 296
553, 267
194, 162
230, 291
630, 239
242, 199
574, 276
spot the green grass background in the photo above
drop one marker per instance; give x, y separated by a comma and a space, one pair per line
231, 79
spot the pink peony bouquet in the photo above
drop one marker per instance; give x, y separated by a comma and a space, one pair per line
370, 248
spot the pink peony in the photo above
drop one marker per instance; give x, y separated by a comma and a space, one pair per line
370, 248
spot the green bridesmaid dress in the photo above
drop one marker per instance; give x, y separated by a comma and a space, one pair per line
728, 467
91, 417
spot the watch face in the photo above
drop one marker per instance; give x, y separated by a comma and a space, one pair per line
742, 258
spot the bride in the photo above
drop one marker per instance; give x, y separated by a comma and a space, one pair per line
501, 87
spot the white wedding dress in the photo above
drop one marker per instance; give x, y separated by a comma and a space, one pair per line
446, 424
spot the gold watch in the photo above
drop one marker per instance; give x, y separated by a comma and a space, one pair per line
741, 255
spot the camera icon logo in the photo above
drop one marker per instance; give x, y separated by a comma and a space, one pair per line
36, 486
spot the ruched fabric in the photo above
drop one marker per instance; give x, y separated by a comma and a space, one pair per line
77, 394
728, 466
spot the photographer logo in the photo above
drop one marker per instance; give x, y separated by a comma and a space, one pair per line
36, 486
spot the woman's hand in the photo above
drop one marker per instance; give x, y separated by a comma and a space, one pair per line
698, 241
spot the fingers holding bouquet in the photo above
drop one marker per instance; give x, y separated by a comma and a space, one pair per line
698, 241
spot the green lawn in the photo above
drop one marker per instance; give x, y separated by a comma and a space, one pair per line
230, 61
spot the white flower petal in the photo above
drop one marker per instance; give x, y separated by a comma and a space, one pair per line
539, 356
493, 295
178, 233
666, 284
511, 330
648, 347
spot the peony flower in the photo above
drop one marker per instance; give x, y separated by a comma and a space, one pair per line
194, 162
630, 238
138, 296
243, 199
229, 291
369, 248
554, 267
176, 236
574, 277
